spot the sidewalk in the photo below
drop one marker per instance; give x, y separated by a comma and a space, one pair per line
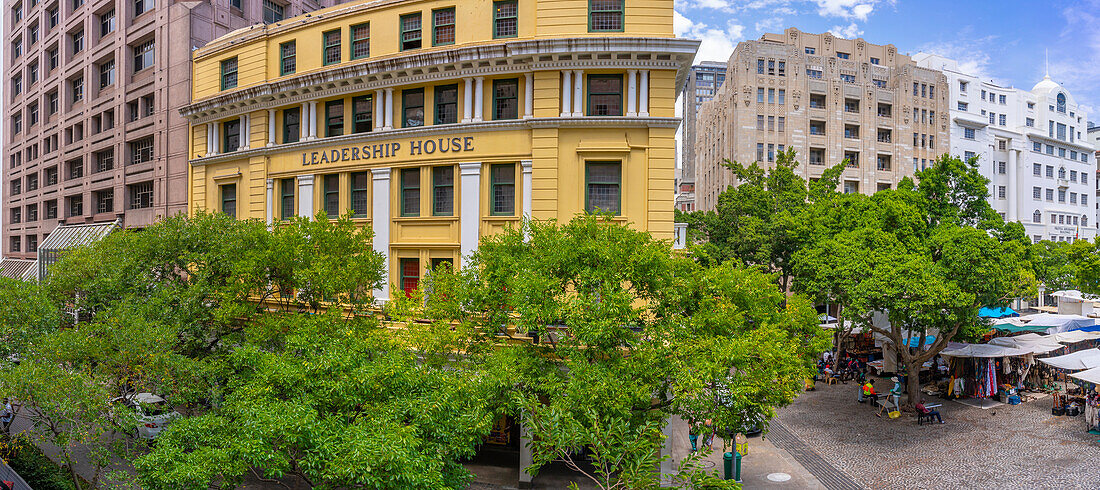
765, 459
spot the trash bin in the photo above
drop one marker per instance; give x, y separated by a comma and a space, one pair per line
732, 464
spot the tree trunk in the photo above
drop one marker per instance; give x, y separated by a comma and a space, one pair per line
913, 383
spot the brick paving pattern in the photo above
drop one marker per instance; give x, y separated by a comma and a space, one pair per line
1011, 446
829, 476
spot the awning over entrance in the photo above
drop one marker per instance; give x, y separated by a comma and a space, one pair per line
68, 237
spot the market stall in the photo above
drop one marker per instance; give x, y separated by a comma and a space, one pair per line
982, 371
1071, 401
1091, 379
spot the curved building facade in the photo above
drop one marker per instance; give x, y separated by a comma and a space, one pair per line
439, 122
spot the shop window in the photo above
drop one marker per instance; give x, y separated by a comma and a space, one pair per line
503, 183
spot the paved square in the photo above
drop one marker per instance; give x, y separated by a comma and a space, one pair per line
1011, 446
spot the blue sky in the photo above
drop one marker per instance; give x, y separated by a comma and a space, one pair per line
1001, 40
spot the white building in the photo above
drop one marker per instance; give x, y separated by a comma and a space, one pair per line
1031, 145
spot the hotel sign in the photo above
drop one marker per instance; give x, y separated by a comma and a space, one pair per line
378, 151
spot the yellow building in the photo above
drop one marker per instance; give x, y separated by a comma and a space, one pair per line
438, 122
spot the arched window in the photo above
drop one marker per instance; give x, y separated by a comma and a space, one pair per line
1061, 102
1062, 173
1037, 217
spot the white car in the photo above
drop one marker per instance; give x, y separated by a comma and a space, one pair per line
153, 413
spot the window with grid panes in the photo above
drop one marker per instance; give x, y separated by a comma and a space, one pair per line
361, 117
288, 62
410, 192
143, 58
32, 73
410, 275
503, 184
331, 196
443, 191
229, 200
412, 107
142, 6
78, 41
443, 27
605, 95
229, 73
360, 205
51, 175
331, 42
505, 18
334, 118
77, 85
141, 195
32, 182
14, 244
32, 114
32, 212
107, 23
141, 150
505, 99
51, 57
286, 199
603, 181
446, 104
605, 15
360, 41
51, 209
291, 125
105, 201
105, 160
107, 73
231, 135
410, 31
273, 12
75, 168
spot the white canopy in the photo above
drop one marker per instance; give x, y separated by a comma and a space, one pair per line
1074, 336
984, 350
1058, 323
1075, 295
1088, 375
1038, 344
1085, 359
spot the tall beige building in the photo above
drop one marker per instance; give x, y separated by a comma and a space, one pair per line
830, 99
93, 132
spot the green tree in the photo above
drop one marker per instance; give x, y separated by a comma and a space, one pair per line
611, 333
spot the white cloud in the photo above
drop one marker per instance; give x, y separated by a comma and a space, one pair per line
852, 31
717, 43
971, 54
1078, 69
846, 9
773, 24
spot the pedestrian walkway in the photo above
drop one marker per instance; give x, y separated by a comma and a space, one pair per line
826, 474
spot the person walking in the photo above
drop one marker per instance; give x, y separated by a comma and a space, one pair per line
7, 416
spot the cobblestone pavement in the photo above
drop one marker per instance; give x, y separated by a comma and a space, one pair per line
1011, 446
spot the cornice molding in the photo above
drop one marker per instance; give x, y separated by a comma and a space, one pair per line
428, 131
466, 61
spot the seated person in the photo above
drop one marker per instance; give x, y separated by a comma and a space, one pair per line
869, 392
928, 412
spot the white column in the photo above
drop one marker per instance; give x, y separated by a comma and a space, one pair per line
528, 95
631, 92
313, 119
479, 98
379, 109
470, 213
271, 127
246, 131
566, 93
215, 129
270, 201
305, 196
643, 95
578, 93
380, 221
526, 166
468, 100
209, 139
525, 458
388, 108
303, 122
